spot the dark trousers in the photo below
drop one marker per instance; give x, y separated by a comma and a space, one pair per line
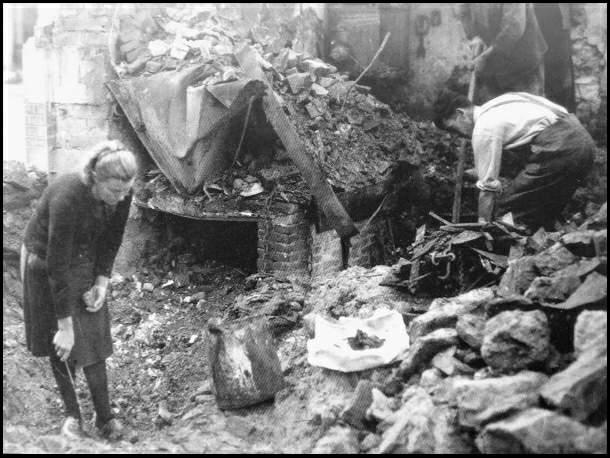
561, 157
98, 385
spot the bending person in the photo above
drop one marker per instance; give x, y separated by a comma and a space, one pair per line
554, 148
69, 249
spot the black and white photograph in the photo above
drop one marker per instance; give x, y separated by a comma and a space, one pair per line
304, 228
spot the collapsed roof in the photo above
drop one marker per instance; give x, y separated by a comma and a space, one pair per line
221, 74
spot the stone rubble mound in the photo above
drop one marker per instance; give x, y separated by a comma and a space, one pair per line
516, 368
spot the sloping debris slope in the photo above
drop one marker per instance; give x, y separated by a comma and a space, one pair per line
519, 368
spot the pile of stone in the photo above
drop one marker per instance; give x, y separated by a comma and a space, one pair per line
519, 368
280, 300
21, 189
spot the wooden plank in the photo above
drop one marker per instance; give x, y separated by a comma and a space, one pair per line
311, 171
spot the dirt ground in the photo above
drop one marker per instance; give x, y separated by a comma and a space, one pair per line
160, 364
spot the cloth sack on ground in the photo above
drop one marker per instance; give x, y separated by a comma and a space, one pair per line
331, 349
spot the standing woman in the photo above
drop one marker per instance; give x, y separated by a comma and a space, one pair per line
69, 249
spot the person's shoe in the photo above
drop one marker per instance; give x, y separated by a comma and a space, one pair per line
112, 430
72, 429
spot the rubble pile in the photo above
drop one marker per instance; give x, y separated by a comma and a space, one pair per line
456, 258
518, 368
357, 139
280, 300
22, 391
21, 189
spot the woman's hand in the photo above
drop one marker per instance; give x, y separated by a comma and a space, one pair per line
64, 338
95, 297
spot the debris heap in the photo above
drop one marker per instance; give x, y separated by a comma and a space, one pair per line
356, 139
518, 368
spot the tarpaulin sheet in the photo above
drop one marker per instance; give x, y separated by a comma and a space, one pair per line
185, 130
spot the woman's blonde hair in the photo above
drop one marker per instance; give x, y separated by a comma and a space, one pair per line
110, 159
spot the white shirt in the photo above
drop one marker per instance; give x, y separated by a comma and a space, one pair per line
508, 121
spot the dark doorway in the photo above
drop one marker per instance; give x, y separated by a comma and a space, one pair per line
230, 243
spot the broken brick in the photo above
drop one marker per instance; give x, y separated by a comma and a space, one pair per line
299, 81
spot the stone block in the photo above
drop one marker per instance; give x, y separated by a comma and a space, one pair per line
553, 259
470, 328
446, 362
449, 438
444, 312
582, 388
413, 429
380, 408
552, 290
536, 431
593, 290
338, 440
298, 82
579, 269
579, 242
482, 401
424, 348
516, 340
518, 277
591, 330
355, 413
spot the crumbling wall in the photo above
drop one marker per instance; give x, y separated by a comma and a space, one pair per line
65, 68
366, 249
434, 51
447, 55
589, 57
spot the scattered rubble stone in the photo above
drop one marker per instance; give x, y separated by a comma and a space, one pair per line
597, 221
444, 313
338, 440
582, 388
448, 364
369, 442
380, 408
593, 290
580, 242
580, 269
470, 356
516, 340
430, 378
423, 349
482, 401
355, 292
355, 413
449, 438
553, 259
537, 431
511, 302
518, 277
470, 328
555, 289
412, 430
591, 330
299, 81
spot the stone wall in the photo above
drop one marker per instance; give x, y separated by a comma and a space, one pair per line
447, 54
590, 58
65, 68
444, 49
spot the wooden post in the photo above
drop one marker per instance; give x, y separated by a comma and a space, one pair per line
459, 176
